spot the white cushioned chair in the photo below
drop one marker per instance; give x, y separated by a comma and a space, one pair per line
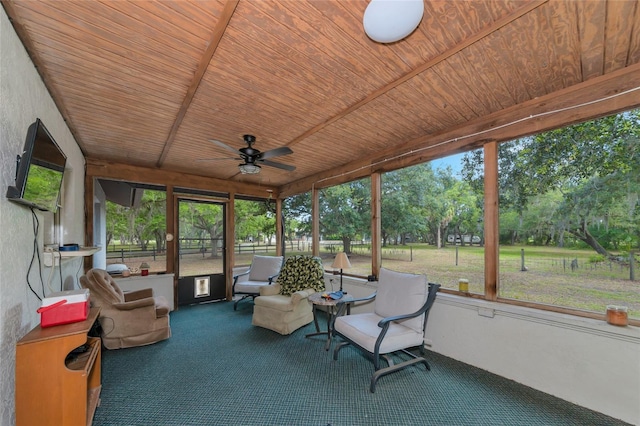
284, 307
397, 324
262, 272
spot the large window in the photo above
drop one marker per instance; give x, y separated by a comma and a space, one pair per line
255, 230
345, 225
137, 234
432, 221
297, 224
570, 215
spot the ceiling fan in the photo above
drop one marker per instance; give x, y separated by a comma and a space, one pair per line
253, 158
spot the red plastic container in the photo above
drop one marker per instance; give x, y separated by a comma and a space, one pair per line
64, 307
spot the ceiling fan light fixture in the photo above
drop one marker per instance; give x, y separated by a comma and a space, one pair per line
388, 21
249, 169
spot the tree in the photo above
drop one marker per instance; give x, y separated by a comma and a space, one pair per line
594, 166
116, 225
254, 220
206, 219
465, 215
297, 215
409, 203
151, 219
141, 224
346, 211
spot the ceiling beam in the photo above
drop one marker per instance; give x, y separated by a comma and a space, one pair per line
422, 68
96, 168
216, 36
609, 94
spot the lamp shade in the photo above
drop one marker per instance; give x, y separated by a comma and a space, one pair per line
341, 261
387, 21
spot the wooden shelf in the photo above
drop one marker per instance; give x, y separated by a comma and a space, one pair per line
49, 383
93, 402
84, 251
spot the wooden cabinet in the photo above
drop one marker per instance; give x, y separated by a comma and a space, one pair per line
53, 388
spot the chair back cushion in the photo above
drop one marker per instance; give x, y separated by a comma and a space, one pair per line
263, 267
102, 287
401, 293
301, 272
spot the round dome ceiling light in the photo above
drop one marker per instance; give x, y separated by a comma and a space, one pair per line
388, 21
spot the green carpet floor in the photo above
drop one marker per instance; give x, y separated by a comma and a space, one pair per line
218, 369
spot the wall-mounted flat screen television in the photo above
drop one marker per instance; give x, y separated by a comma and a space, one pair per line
40, 170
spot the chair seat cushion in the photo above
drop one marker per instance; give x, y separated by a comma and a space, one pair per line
278, 302
251, 287
363, 330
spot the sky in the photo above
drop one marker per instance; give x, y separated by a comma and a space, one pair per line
455, 161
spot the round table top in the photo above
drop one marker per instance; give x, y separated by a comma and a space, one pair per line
317, 299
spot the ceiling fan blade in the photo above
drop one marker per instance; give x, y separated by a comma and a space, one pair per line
223, 145
283, 150
277, 165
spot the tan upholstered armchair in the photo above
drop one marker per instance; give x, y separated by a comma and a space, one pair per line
284, 307
128, 319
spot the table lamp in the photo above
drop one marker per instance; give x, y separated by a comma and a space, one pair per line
341, 262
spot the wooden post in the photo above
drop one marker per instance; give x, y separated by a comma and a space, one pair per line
376, 225
280, 237
170, 223
315, 221
230, 236
491, 213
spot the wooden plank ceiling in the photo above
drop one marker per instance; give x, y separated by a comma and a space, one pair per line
149, 83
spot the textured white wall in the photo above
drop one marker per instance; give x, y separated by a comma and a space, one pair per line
587, 362
23, 98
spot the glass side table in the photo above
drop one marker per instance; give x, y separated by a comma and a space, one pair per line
317, 300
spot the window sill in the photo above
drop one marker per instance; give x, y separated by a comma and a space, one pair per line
504, 308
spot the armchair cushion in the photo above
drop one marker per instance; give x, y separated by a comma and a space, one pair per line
264, 267
281, 302
399, 293
270, 290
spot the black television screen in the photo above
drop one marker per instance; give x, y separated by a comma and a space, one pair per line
40, 170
